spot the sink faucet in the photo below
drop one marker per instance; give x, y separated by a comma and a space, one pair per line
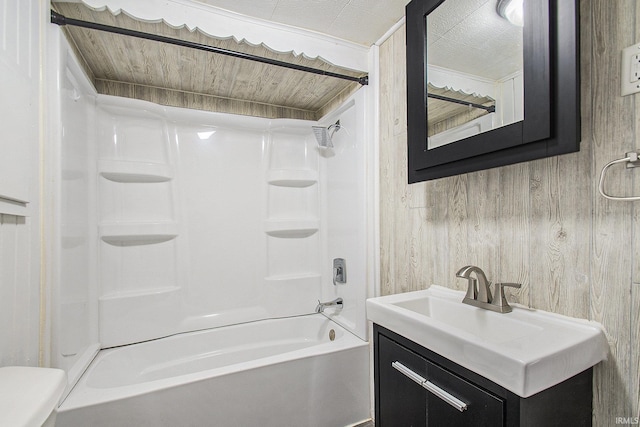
478, 288
479, 293
322, 305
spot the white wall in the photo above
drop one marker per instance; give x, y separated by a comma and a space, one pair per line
20, 84
20, 108
19, 292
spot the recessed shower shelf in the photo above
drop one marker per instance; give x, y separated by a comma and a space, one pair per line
122, 233
158, 292
132, 171
291, 228
292, 177
310, 279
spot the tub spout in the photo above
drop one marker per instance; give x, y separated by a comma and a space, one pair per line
322, 305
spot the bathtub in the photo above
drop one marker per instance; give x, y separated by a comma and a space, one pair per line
297, 371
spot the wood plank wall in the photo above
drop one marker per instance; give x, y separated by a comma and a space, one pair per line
540, 223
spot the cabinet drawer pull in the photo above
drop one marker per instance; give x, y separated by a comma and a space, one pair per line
408, 373
442, 394
447, 397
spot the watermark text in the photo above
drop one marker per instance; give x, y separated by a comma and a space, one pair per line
628, 420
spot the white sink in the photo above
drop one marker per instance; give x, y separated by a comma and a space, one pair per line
525, 351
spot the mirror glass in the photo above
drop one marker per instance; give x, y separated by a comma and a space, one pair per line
474, 68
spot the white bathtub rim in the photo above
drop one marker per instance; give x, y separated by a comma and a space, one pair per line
83, 395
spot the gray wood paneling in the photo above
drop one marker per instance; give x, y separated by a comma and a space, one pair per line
514, 229
613, 26
387, 169
541, 223
197, 101
634, 376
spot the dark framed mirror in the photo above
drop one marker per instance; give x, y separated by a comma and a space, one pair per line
546, 121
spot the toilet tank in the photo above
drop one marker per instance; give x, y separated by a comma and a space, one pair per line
29, 396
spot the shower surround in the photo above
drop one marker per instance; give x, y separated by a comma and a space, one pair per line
174, 220
206, 220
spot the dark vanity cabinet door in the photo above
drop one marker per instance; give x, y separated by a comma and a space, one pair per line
401, 367
483, 408
403, 401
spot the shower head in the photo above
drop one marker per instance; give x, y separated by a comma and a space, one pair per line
323, 134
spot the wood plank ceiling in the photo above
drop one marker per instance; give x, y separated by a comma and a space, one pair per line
183, 77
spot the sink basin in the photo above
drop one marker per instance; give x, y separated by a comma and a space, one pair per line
525, 351
493, 329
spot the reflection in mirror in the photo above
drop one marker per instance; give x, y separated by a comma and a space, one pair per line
474, 71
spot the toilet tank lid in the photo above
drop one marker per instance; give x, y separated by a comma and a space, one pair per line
29, 395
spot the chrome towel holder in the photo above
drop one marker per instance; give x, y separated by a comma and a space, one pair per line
632, 161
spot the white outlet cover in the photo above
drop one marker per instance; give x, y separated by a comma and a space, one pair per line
630, 61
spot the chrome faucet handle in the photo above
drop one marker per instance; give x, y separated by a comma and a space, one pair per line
499, 299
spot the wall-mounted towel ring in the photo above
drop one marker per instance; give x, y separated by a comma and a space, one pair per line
632, 161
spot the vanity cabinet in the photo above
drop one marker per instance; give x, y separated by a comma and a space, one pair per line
416, 387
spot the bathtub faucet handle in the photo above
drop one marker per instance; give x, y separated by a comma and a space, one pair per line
322, 305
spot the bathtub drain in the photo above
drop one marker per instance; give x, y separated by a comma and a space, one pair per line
332, 335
